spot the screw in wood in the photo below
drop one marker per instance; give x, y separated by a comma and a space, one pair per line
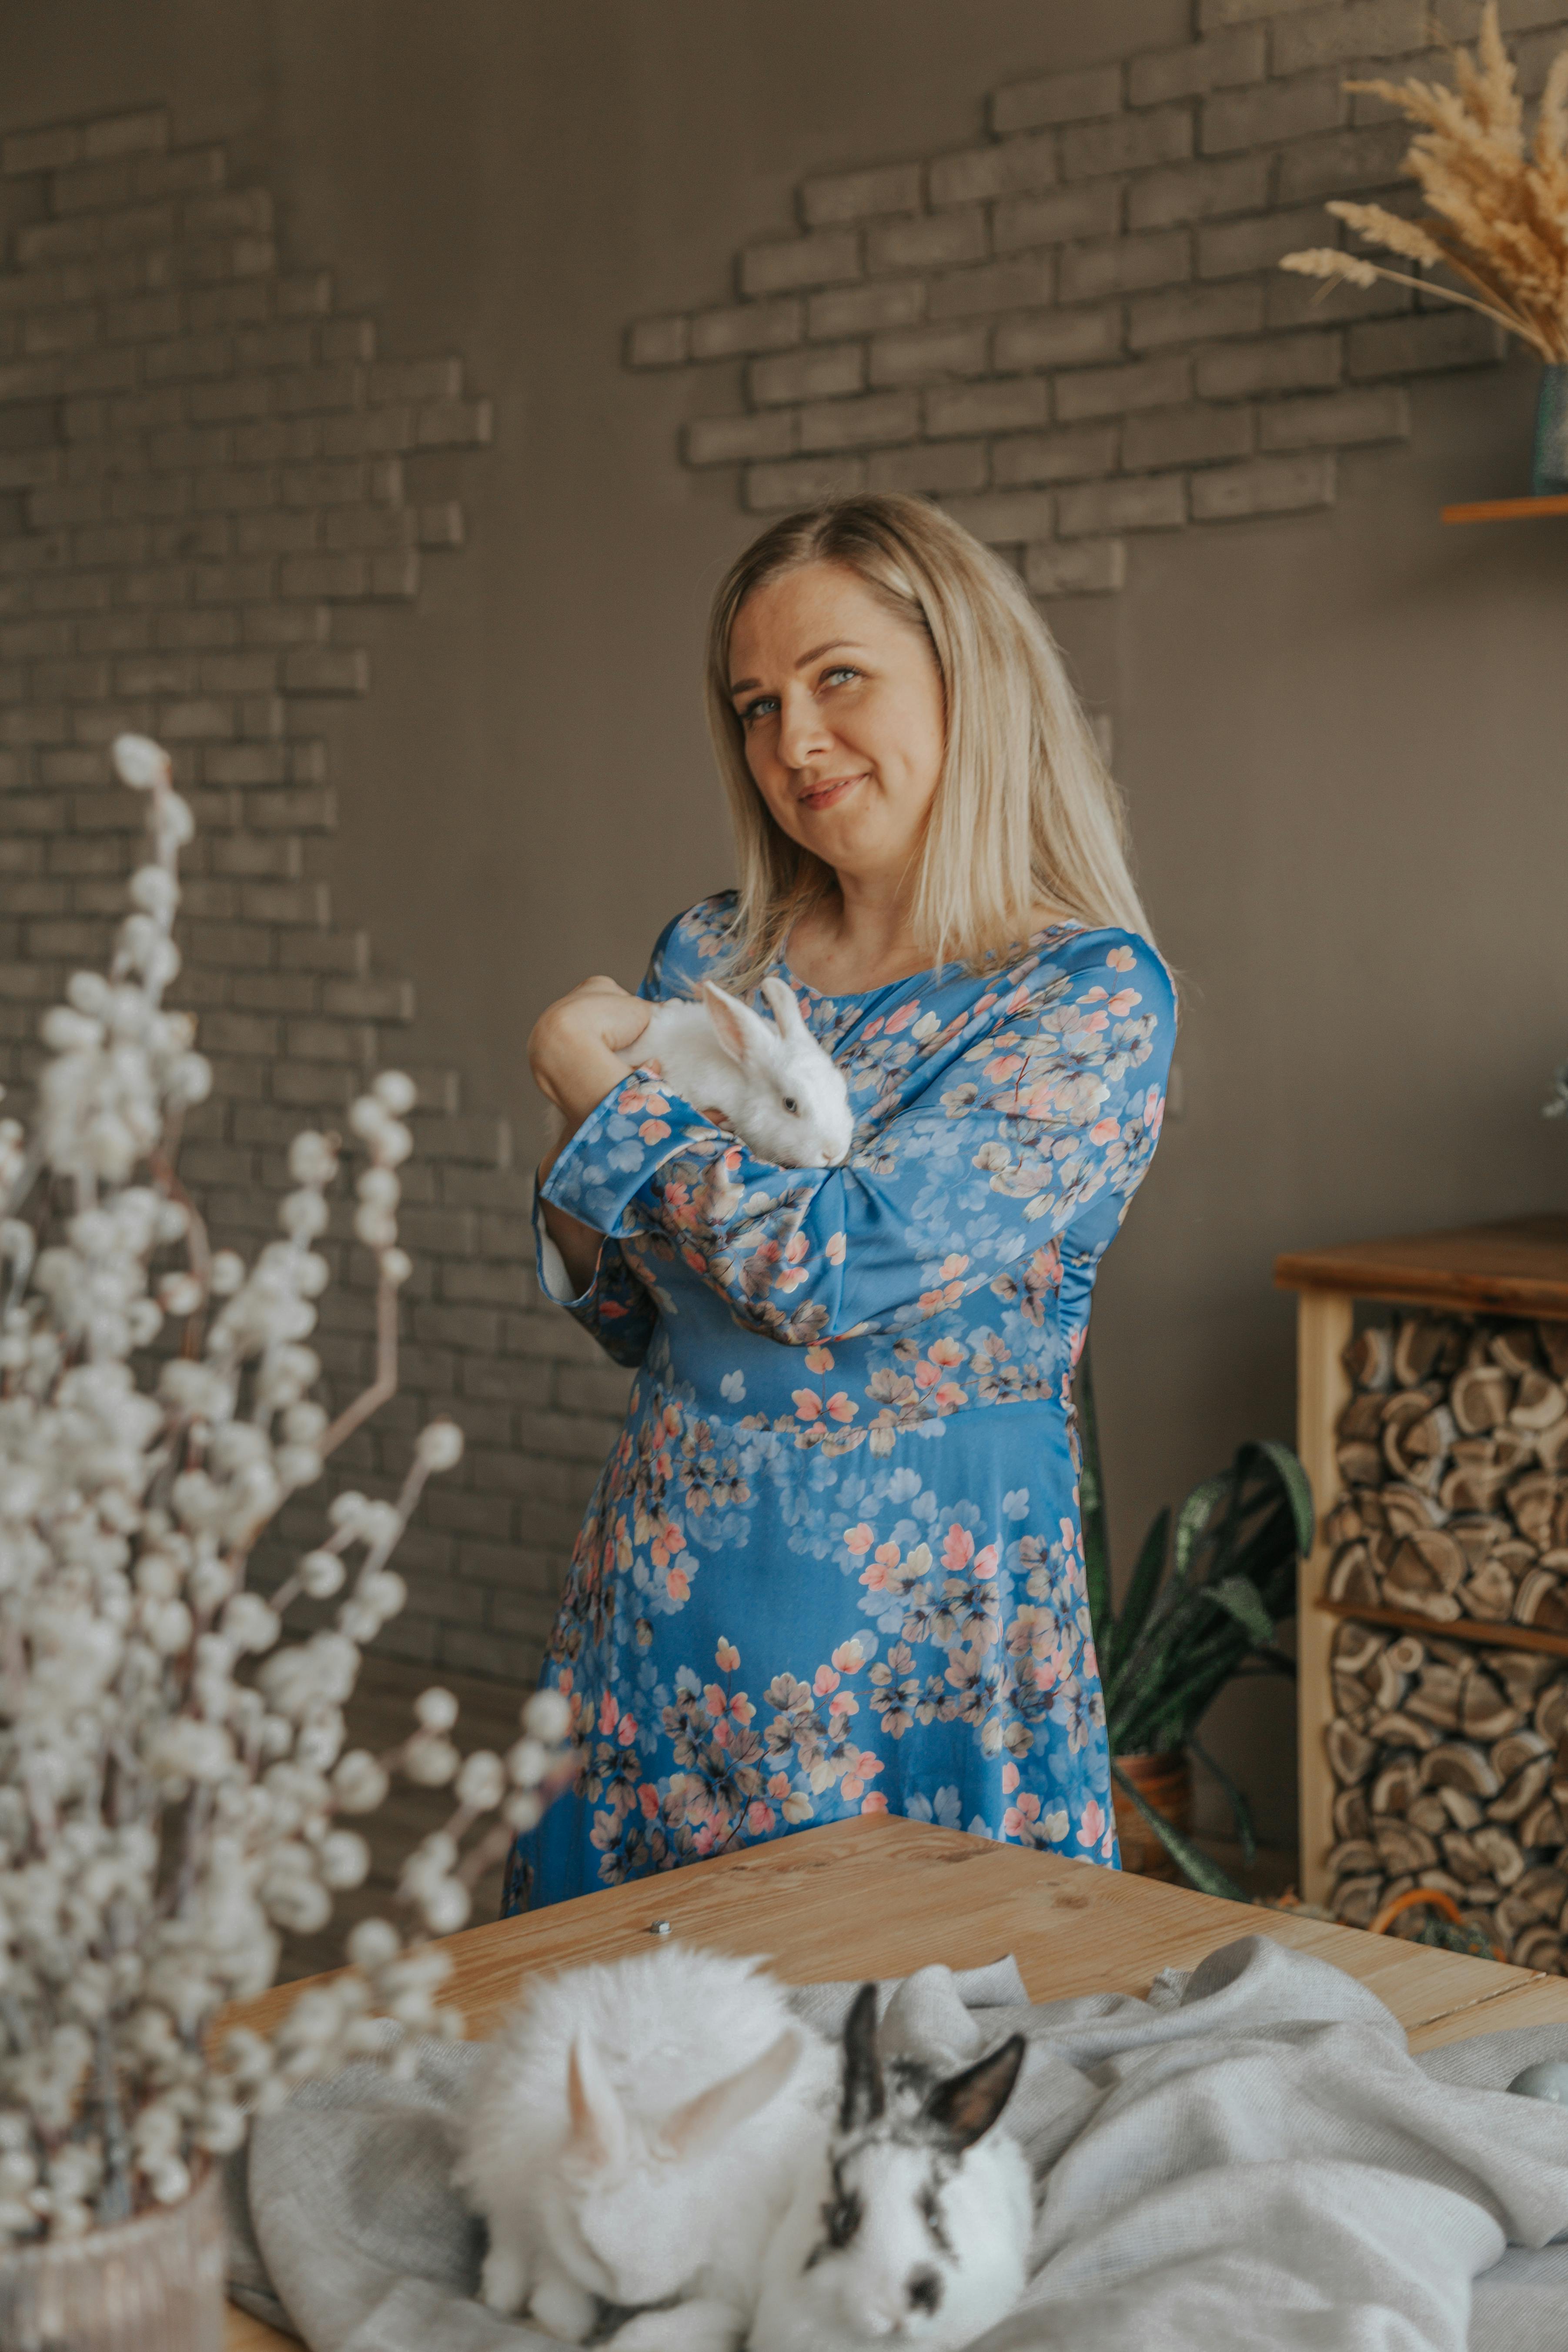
659, 1927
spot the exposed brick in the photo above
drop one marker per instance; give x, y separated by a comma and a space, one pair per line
860, 195
1134, 142
827, 258
1293, 301
1009, 406
1115, 391
1194, 315
921, 352
824, 374
1230, 58
858, 423
1351, 28
1232, 249
1012, 167
322, 670
659, 342
864, 310
1287, 363
1004, 517
1094, 209
1081, 454
1444, 339
1264, 485
752, 326
309, 391
1190, 192
993, 286
370, 1000
40, 151
1215, 15
1202, 435
1276, 112
143, 133
931, 468
1336, 419
934, 242
1058, 97
721, 440
1118, 265
1059, 338
801, 481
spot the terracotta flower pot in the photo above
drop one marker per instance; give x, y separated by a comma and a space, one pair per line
1164, 1782
151, 2284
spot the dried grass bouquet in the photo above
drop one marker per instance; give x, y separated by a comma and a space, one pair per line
1498, 203
173, 1776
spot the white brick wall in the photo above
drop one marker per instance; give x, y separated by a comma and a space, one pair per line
206, 474
1077, 330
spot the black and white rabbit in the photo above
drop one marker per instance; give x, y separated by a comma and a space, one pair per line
633, 2138
912, 2222
781, 1092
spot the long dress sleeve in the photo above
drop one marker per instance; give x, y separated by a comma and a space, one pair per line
1037, 1110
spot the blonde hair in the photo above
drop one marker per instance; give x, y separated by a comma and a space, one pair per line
1026, 812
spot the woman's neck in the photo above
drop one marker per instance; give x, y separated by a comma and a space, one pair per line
859, 936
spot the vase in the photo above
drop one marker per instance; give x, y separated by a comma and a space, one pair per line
1549, 468
151, 2284
1165, 1782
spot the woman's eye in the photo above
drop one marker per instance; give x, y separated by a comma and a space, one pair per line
840, 669
762, 705
790, 1103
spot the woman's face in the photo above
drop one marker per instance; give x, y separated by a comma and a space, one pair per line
840, 704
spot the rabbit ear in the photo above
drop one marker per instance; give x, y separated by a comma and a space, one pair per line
786, 1007
706, 2118
736, 1027
963, 2108
864, 2096
598, 2140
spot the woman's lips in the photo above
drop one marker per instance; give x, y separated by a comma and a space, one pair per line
831, 791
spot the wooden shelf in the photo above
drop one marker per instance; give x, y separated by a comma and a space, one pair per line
1497, 1632
1507, 509
1517, 1267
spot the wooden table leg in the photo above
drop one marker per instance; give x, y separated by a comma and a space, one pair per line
1323, 1328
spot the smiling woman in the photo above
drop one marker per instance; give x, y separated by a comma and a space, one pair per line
834, 1564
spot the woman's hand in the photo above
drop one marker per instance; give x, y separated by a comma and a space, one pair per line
577, 1053
578, 1047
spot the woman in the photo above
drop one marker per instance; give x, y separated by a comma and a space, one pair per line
833, 1565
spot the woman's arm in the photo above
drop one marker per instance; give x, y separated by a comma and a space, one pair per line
576, 1052
1045, 1100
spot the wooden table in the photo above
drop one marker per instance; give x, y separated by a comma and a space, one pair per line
879, 1898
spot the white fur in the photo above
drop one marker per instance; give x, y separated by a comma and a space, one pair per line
633, 2138
930, 2221
724, 1058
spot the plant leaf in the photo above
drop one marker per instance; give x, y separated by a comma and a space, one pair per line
1297, 1485
1193, 1516
1141, 1591
1240, 1811
1198, 1870
1240, 1596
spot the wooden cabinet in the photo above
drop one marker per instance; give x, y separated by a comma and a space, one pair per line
1478, 1319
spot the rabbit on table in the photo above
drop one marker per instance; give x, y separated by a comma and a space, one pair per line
634, 2136
911, 2223
769, 1081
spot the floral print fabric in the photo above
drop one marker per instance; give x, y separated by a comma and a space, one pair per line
833, 1563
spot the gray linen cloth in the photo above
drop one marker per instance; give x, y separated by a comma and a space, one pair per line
1249, 2156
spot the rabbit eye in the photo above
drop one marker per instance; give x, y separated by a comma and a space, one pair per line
843, 2219
790, 1103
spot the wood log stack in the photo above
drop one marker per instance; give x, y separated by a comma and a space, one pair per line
1450, 1758
1453, 1451
1451, 1771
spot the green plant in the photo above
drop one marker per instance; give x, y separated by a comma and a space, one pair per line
1206, 1593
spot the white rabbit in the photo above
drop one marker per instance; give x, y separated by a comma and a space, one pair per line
912, 2221
783, 1095
633, 2138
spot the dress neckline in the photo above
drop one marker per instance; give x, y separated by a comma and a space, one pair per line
860, 995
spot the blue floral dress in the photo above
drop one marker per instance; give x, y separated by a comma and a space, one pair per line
834, 1564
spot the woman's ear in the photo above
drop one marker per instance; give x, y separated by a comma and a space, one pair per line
735, 1025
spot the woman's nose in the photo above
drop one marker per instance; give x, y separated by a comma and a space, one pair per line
803, 734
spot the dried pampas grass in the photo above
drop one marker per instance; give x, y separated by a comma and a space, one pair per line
1499, 203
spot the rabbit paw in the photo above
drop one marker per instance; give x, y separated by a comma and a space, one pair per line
701, 2327
564, 2309
504, 2281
